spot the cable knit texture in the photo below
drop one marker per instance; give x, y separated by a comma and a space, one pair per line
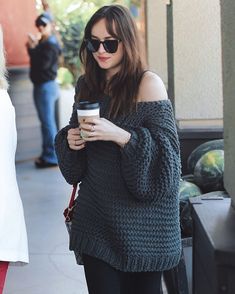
127, 211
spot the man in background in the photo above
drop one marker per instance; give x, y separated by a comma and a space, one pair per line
44, 55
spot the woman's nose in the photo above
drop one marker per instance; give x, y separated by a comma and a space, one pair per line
101, 48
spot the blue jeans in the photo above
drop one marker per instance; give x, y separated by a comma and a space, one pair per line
45, 96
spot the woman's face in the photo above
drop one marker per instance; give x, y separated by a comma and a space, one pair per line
111, 62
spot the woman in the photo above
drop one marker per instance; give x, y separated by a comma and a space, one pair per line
13, 238
126, 222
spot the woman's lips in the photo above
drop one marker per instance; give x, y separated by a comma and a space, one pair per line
103, 59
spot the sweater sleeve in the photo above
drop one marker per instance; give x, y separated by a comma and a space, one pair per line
72, 163
151, 159
49, 56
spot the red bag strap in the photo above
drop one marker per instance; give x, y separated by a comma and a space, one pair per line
72, 198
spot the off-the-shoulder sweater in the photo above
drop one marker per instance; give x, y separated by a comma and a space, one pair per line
127, 211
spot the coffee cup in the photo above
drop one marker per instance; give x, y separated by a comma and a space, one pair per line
87, 109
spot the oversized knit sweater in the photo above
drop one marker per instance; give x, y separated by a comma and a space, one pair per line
127, 211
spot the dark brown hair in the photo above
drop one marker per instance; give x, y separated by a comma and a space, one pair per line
123, 86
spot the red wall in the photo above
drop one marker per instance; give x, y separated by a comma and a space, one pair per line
17, 19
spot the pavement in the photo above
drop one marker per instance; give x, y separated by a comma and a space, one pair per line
52, 268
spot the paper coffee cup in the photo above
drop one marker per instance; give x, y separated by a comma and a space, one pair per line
86, 109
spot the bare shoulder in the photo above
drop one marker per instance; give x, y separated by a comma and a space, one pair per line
151, 88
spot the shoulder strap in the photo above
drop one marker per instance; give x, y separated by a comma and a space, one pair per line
72, 198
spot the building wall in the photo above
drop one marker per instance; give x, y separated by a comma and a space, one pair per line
156, 37
197, 69
197, 62
17, 19
228, 58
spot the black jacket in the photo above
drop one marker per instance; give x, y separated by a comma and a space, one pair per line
44, 60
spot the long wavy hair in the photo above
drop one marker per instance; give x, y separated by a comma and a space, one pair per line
3, 80
123, 86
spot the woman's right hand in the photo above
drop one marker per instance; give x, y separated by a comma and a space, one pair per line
32, 41
75, 142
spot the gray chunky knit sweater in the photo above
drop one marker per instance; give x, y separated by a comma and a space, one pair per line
127, 212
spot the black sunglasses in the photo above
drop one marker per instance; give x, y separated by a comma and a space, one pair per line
110, 46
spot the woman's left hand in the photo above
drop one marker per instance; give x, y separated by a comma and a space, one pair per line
94, 129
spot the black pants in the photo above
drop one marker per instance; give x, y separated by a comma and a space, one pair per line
103, 279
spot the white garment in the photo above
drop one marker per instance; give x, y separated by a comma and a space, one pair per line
13, 236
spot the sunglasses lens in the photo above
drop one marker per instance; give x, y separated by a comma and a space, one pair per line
93, 45
111, 45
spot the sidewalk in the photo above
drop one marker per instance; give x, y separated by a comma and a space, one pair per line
52, 268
